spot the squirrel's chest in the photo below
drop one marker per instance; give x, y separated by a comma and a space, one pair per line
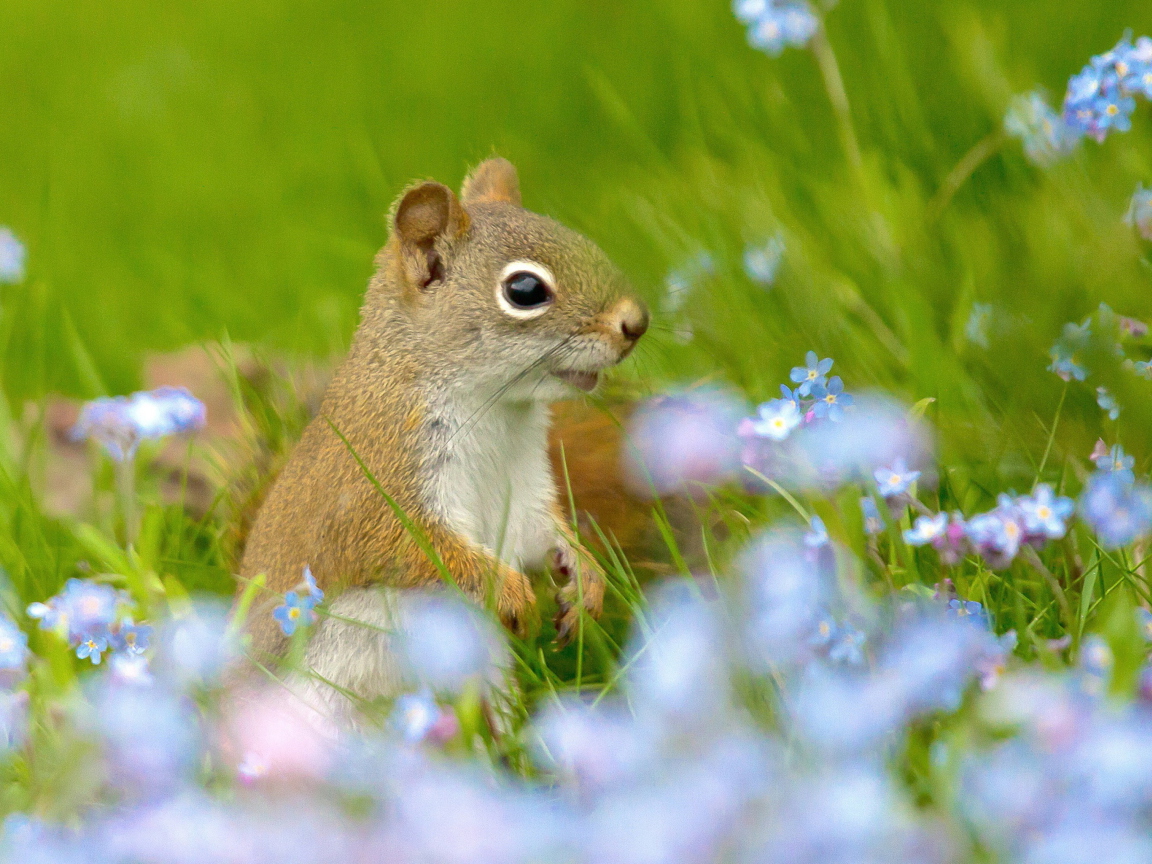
491, 480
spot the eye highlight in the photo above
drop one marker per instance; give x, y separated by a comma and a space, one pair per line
526, 289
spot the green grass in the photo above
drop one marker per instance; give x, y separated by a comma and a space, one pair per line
191, 171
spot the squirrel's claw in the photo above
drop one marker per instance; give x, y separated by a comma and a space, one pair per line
516, 603
583, 579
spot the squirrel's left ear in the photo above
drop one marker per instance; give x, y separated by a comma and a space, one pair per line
428, 213
494, 179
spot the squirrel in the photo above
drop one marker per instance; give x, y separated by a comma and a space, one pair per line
480, 314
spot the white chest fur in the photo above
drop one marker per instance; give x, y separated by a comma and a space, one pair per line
491, 480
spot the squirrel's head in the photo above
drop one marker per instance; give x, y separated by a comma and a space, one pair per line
505, 296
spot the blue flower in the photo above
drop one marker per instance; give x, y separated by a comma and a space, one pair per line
120, 423
296, 611
1143, 368
314, 590
812, 375
132, 638
415, 715
927, 530
13, 645
12, 256
895, 480
997, 535
1144, 622
87, 607
817, 534
1139, 214
1118, 511
968, 610
1065, 353
1097, 100
831, 400
776, 419
1045, 135
91, 647
873, 524
761, 263
1114, 461
772, 25
1045, 514
848, 646
1107, 402
824, 633
1096, 657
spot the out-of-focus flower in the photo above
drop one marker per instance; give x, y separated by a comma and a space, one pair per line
593, 748
1097, 101
1143, 368
131, 669
1139, 214
848, 645
1045, 135
811, 375
1045, 514
831, 400
976, 330
1119, 511
784, 593
88, 606
132, 638
251, 768
679, 672
195, 650
927, 530
680, 282
817, 534
1144, 622
762, 262
774, 25
418, 717
684, 439
12, 257
1107, 402
969, 610
151, 734
445, 644
997, 535
776, 419
273, 729
13, 650
310, 583
895, 480
13, 718
1067, 352
296, 611
873, 523
120, 423
991, 664
1114, 461
1096, 661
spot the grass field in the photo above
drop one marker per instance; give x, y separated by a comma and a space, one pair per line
221, 173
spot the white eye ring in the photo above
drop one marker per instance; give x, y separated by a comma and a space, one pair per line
536, 269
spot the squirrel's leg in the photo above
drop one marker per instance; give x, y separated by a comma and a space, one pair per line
478, 573
583, 581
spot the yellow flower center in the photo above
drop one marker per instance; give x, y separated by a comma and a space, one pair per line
830, 398
1112, 110
294, 612
1012, 530
7, 643
1044, 513
813, 374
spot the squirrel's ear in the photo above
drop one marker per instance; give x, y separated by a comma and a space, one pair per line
427, 212
492, 180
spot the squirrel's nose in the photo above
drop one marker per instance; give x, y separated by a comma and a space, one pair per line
632, 317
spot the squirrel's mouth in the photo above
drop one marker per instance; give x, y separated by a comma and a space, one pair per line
585, 381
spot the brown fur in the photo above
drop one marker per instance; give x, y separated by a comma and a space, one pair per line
428, 318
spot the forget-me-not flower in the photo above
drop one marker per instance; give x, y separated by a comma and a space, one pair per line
895, 480
831, 400
13, 645
120, 423
776, 419
774, 25
1107, 402
817, 534
1066, 353
811, 375
873, 524
91, 647
1045, 135
12, 257
762, 262
927, 530
1045, 514
1114, 461
1119, 511
296, 611
1139, 214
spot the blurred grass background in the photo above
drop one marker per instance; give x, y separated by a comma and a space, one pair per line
184, 170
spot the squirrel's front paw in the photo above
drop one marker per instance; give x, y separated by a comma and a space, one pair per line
583, 580
516, 602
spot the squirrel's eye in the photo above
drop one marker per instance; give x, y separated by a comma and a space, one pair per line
526, 290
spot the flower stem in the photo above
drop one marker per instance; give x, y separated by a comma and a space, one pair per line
126, 490
984, 150
838, 96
